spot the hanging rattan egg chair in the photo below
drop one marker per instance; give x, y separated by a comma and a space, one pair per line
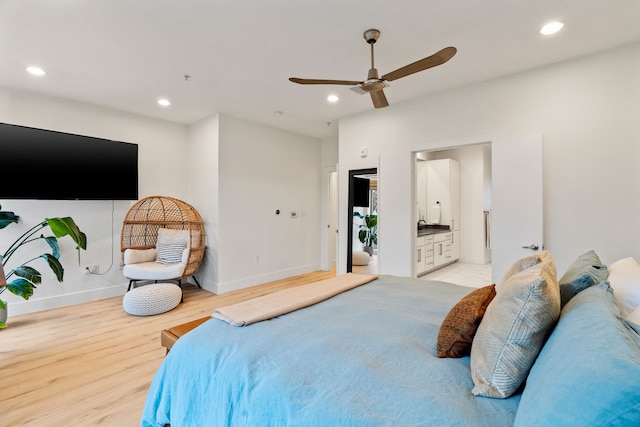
148, 215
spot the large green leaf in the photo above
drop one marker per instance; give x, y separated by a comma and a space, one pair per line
53, 244
29, 273
66, 226
3, 306
21, 287
7, 218
55, 265
371, 220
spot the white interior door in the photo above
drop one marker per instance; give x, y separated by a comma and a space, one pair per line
329, 239
332, 228
517, 215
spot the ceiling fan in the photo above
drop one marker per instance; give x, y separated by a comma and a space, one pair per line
374, 84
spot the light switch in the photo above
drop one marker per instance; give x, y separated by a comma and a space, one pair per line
364, 151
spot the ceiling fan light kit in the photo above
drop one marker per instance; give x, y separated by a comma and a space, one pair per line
374, 84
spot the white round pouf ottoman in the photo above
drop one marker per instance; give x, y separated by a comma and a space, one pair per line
360, 258
152, 299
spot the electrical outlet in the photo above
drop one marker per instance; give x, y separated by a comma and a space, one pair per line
92, 268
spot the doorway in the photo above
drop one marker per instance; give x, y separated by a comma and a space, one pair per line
516, 196
363, 201
473, 230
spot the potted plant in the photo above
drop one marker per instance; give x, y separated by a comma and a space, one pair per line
368, 231
28, 278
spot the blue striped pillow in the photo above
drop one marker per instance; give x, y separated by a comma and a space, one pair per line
169, 253
514, 329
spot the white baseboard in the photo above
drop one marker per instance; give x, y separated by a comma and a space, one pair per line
220, 288
34, 305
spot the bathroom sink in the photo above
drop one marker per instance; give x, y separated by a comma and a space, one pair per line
425, 230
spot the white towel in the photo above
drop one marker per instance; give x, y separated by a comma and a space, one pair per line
287, 300
435, 214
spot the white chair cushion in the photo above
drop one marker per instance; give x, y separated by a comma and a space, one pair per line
133, 256
152, 299
153, 271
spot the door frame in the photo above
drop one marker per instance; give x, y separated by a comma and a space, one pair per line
352, 174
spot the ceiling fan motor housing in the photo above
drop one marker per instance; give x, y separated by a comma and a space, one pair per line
373, 82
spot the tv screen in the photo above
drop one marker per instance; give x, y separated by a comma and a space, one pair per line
360, 192
48, 165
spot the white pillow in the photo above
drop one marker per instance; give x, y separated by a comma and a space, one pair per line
624, 278
170, 236
135, 256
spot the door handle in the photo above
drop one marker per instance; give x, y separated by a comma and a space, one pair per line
532, 246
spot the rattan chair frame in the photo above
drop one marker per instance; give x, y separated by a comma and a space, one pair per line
143, 220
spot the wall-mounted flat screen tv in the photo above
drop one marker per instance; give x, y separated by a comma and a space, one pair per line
48, 165
360, 192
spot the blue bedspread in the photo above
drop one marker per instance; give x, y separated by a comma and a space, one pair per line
366, 357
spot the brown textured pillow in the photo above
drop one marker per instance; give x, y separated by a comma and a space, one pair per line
460, 325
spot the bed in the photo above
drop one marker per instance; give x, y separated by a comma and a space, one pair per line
372, 355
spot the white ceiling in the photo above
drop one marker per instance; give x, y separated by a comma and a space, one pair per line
125, 54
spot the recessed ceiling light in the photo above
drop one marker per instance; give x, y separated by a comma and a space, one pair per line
333, 98
278, 113
164, 102
36, 71
551, 28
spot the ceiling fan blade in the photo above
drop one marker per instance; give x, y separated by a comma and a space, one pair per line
323, 82
436, 59
378, 98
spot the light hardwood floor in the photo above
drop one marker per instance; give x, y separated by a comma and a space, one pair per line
91, 364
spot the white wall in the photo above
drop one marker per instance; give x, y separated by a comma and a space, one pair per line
261, 170
162, 170
203, 190
587, 110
